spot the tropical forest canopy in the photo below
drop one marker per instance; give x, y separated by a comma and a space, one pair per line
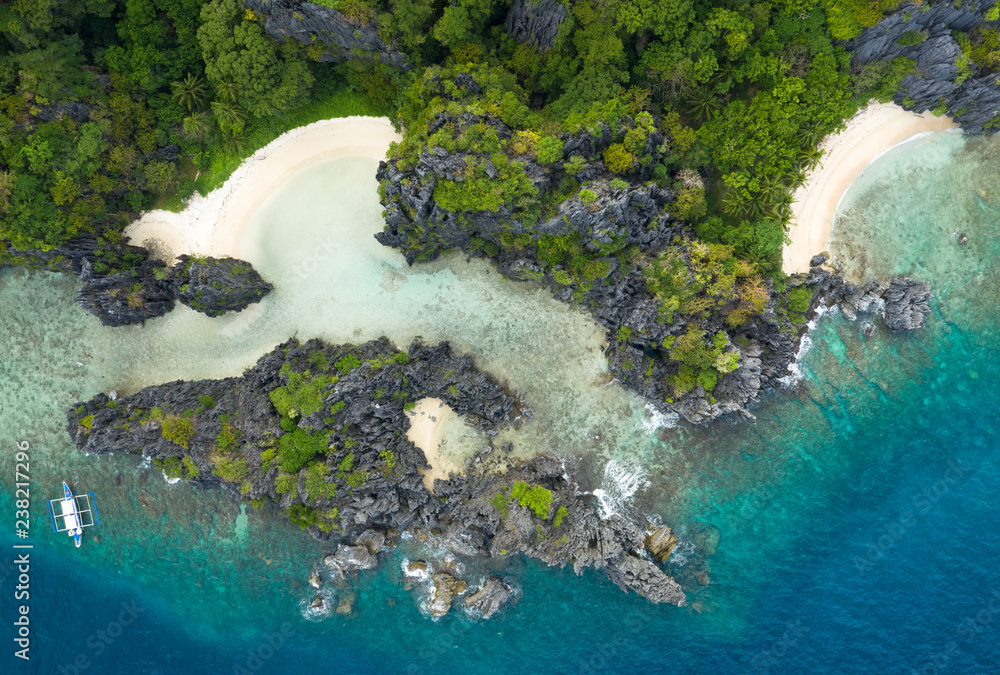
109, 107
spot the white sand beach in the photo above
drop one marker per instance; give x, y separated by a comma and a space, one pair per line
428, 421
213, 225
868, 135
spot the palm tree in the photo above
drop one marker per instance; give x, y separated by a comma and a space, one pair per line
734, 203
229, 116
197, 125
703, 103
809, 157
226, 91
189, 92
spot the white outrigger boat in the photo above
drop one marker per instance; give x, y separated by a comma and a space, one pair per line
72, 513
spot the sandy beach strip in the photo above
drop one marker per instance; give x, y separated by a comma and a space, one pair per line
868, 135
213, 225
428, 420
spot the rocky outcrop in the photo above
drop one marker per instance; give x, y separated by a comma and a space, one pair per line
942, 73
141, 293
901, 302
342, 37
536, 22
906, 307
321, 430
660, 543
121, 285
214, 286
612, 214
490, 598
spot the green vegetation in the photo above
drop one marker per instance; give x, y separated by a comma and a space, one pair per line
561, 514
303, 395
233, 470
297, 448
500, 502
536, 498
306, 516
316, 485
227, 438
179, 430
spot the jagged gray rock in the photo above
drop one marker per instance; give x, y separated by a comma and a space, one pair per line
214, 286
536, 22
906, 307
312, 24
974, 101
369, 472
490, 597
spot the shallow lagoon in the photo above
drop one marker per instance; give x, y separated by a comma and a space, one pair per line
832, 556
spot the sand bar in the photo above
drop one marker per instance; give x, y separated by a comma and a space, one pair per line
868, 135
213, 225
428, 421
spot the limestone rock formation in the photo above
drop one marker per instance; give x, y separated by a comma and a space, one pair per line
973, 99
536, 22
321, 430
214, 286
342, 37
491, 596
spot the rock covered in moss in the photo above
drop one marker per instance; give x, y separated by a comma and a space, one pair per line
214, 286
129, 297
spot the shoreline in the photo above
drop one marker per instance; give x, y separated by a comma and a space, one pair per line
428, 420
213, 225
869, 135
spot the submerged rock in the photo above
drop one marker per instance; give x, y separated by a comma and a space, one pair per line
490, 597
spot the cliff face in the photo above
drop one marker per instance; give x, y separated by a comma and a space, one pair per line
536, 22
321, 430
342, 38
943, 71
122, 285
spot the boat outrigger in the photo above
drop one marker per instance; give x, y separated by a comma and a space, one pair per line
72, 513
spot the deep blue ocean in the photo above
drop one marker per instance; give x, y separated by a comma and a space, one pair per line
858, 519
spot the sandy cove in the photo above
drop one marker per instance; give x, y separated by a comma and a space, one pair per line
428, 420
213, 225
868, 135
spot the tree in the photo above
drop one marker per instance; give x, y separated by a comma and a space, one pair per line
197, 125
189, 92
229, 116
237, 51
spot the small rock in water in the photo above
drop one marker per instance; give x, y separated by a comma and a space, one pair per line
317, 603
346, 604
314, 580
868, 329
962, 240
490, 598
703, 578
660, 543
416, 567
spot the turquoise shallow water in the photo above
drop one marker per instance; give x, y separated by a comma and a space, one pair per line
858, 520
